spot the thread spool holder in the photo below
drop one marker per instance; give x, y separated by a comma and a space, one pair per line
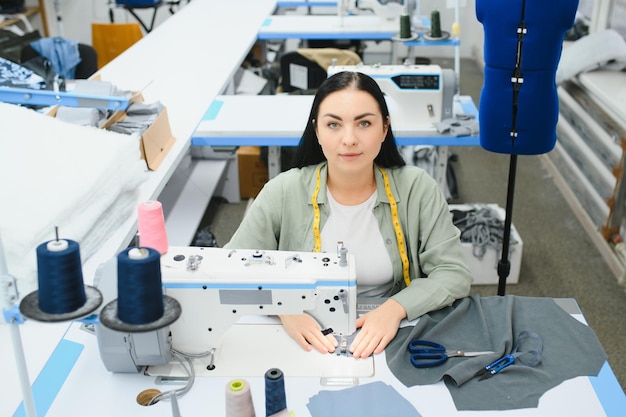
108, 317
109, 313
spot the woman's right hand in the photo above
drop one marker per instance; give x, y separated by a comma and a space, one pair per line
307, 332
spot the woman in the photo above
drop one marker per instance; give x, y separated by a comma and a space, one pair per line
349, 183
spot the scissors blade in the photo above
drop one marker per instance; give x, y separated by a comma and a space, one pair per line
459, 352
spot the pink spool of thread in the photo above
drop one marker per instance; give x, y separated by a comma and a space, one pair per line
239, 399
151, 226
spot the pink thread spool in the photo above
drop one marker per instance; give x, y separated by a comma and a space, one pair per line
239, 399
151, 226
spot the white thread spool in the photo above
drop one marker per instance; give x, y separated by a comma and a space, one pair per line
138, 253
57, 245
239, 399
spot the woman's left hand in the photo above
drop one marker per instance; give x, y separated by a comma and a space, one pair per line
378, 328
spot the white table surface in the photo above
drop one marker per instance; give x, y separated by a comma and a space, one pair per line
328, 27
262, 121
74, 379
309, 3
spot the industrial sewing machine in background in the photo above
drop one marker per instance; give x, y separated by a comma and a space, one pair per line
216, 288
418, 96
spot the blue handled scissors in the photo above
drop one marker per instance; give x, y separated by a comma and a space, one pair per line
426, 354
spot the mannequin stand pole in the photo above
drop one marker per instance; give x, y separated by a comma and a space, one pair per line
504, 265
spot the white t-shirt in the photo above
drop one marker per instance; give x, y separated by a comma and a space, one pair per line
358, 229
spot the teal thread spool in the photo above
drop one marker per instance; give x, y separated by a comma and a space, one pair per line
405, 26
435, 24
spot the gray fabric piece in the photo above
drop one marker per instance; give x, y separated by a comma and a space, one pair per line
139, 117
570, 349
369, 400
460, 125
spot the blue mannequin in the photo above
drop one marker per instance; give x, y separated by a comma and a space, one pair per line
519, 106
537, 103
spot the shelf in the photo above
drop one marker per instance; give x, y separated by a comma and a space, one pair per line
30, 11
589, 158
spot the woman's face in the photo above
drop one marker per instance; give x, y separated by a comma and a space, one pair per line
350, 129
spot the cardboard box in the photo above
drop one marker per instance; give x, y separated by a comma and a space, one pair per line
485, 269
253, 172
156, 140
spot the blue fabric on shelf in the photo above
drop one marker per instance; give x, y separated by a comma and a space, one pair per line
62, 53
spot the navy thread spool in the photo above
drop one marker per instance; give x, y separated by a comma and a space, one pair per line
435, 24
275, 400
60, 277
405, 26
139, 288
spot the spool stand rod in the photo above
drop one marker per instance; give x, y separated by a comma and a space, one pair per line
18, 350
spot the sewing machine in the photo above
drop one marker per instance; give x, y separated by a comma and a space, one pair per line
418, 95
216, 287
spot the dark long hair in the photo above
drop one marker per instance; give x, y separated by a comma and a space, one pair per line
309, 151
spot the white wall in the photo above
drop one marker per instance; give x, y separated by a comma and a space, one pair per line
77, 16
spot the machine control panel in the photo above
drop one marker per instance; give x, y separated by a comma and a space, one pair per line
416, 81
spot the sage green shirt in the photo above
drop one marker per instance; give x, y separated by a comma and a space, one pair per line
281, 218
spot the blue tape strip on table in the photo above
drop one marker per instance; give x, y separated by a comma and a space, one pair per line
52, 377
370, 400
213, 110
611, 396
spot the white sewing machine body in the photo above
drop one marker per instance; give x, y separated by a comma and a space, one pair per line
417, 95
216, 287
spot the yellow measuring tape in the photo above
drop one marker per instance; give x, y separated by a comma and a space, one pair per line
397, 227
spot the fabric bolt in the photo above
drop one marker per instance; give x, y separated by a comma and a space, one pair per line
369, 400
83, 180
570, 349
325, 57
604, 49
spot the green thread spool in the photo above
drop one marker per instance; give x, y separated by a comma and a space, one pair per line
435, 24
405, 26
